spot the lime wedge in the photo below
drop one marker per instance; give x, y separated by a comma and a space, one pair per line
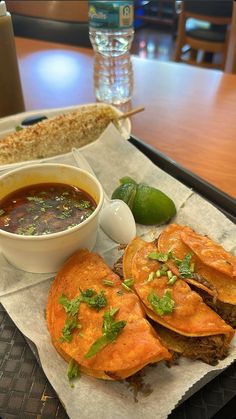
127, 179
151, 206
126, 192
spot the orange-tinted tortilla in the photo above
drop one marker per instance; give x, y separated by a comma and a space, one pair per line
190, 316
136, 346
182, 240
129, 254
209, 252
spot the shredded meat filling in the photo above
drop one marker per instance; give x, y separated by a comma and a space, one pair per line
225, 310
207, 284
203, 281
209, 349
118, 267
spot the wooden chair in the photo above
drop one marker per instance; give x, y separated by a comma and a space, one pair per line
159, 12
204, 43
57, 21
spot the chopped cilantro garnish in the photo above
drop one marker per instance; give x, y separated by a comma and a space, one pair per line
169, 274
88, 293
30, 230
150, 278
108, 282
70, 326
93, 300
73, 370
110, 331
35, 199
65, 214
172, 280
27, 231
161, 305
161, 257
185, 267
82, 205
71, 306
127, 284
89, 296
162, 271
2, 211
174, 258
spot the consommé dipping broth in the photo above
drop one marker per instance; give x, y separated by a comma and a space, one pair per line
45, 208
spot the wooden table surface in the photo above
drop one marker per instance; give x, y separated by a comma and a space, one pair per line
190, 113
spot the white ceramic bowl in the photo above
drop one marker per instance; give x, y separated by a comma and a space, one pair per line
47, 253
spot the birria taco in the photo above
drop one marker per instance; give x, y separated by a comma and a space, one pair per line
205, 265
98, 324
184, 322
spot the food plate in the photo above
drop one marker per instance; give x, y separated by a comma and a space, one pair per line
8, 124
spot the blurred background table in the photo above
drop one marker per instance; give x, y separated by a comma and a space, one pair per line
189, 116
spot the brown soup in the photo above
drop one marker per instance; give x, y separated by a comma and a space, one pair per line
44, 208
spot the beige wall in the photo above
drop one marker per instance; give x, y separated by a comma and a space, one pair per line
56, 10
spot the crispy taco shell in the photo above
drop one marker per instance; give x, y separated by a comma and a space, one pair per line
209, 252
191, 317
214, 267
136, 346
182, 240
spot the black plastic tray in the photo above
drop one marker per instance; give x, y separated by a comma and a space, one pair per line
25, 392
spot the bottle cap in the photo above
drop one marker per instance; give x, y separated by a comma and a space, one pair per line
3, 9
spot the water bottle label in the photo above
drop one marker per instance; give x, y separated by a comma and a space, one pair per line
111, 14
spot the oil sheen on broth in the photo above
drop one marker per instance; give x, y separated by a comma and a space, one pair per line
44, 208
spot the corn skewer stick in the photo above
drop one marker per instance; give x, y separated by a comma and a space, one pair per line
132, 112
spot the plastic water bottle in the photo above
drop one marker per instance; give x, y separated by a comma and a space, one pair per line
111, 33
